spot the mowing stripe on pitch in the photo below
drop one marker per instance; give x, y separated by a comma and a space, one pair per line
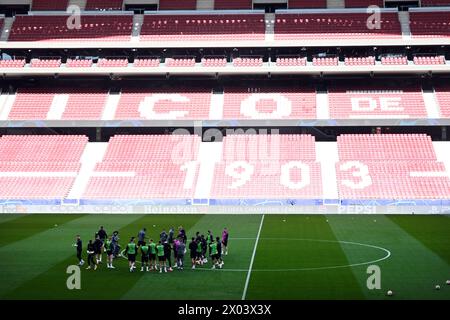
253, 258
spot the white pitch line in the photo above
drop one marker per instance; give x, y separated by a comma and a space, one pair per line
253, 259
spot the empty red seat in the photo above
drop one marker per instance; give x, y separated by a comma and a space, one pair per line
434, 24
359, 61
248, 62
104, 5
233, 4
442, 92
394, 60
177, 5
79, 63
429, 60
47, 5
45, 63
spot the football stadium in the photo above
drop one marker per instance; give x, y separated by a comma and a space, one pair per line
224, 150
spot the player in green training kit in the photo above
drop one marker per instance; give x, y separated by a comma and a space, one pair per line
214, 254
199, 252
161, 257
130, 252
152, 255
144, 256
109, 253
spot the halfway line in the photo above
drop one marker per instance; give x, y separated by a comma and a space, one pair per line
253, 258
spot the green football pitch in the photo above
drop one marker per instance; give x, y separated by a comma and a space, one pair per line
270, 257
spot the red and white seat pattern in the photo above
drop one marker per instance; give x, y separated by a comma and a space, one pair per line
359, 61
177, 5
232, 4
430, 24
397, 167
35, 103
374, 102
46, 5
431, 3
429, 60
214, 27
247, 62
164, 104
326, 26
146, 167
394, 60
442, 92
291, 62
12, 63
104, 5
54, 28
269, 103
112, 63
214, 62
45, 63
79, 63
39, 167
363, 3
146, 62
307, 4
268, 167
180, 62
325, 61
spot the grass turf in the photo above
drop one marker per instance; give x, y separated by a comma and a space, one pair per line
297, 257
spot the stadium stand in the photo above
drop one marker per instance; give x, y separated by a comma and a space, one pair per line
150, 159
54, 28
325, 61
49, 5
203, 27
214, 62
442, 92
177, 5
233, 4
12, 63
269, 103
394, 60
434, 24
359, 61
112, 63
372, 102
247, 62
104, 5
180, 62
146, 62
268, 167
412, 171
309, 26
363, 3
429, 60
79, 63
45, 62
164, 103
39, 167
306, 4
434, 3
86, 104
290, 61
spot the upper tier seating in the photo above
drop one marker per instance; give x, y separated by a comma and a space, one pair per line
432, 3
104, 5
394, 60
54, 28
430, 24
214, 27
359, 61
363, 3
442, 92
177, 5
373, 102
48, 5
12, 63
306, 4
164, 103
233, 4
269, 103
247, 62
325, 26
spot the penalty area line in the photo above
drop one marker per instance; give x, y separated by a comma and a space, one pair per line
244, 294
